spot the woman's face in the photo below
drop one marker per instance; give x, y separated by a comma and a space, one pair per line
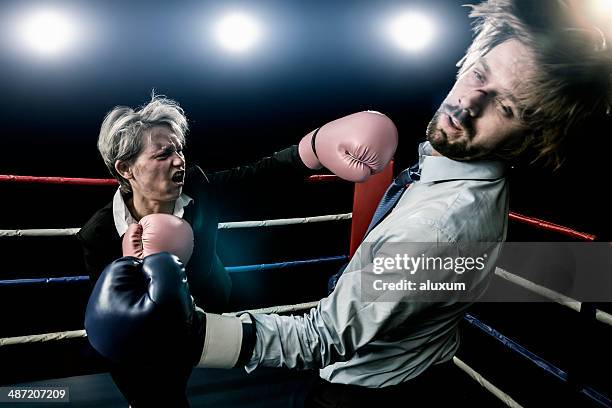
158, 173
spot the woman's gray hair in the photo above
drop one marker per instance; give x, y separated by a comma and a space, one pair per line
121, 133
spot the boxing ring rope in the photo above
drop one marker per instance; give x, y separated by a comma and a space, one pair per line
83, 181
549, 226
284, 221
486, 384
77, 181
538, 289
560, 298
535, 359
229, 269
39, 232
532, 221
59, 232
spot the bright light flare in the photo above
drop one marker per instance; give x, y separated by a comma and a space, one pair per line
411, 31
602, 6
238, 32
48, 32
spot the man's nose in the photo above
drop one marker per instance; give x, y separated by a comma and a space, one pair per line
473, 102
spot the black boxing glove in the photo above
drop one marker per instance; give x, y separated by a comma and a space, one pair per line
141, 311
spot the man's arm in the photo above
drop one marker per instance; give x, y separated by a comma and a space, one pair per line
342, 323
360, 309
332, 332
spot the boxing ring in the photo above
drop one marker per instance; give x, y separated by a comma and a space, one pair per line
365, 199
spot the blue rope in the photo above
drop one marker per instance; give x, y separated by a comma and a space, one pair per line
38, 281
281, 265
540, 362
230, 269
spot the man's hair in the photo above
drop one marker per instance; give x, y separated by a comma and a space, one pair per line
572, 84
122, 131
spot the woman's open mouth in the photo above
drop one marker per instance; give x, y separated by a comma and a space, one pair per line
179, 177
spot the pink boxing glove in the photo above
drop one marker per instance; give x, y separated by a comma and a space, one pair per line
353, 147
159, 233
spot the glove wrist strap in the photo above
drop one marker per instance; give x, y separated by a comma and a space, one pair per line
312, 142
222, 341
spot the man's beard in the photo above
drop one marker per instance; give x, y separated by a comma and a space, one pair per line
458, 149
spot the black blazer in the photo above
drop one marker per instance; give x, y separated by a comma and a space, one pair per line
209, 282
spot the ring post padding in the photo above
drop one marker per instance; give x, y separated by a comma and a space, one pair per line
365, 200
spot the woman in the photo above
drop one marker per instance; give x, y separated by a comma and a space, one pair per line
143, 150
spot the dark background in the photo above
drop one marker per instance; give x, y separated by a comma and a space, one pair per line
319, 61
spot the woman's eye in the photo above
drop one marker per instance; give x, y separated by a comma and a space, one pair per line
478, 76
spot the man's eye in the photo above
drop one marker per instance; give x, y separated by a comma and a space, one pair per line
506, 110
478, 76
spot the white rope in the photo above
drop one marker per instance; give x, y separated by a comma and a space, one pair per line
539, 289
505, 398
58, 232
603, 317
560, 298
284, 221
42, 338
299, 307
47, 232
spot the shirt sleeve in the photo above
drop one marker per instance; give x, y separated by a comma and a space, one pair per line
347, 319
281, 165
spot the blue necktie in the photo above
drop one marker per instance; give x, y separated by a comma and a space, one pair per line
387, 202
393, 194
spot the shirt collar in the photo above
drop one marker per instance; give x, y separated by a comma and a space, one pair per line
123, 217
440, 168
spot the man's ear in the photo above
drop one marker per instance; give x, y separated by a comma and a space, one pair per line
123, 169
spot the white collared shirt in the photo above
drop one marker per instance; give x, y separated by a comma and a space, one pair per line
387, 343
123, 217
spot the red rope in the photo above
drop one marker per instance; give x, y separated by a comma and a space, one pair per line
108, 182
58, 180
549, 226
322, 177
534, 222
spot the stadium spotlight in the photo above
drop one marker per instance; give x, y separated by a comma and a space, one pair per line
411, 31
237, 32
47, 32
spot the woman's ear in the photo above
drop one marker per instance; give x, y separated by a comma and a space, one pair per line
123, 169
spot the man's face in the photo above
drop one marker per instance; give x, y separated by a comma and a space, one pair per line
480, 114
158, 172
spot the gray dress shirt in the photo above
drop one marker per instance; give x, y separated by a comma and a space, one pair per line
382, 342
